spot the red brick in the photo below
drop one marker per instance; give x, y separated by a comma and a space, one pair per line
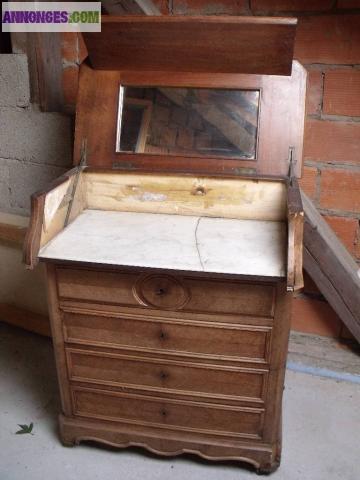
70, 80
348, 4
357, 241
210, 7
330, 39
342, 92
340, 190
308, 181
332, 141
314, 92
269, 6
69, 47
315, 317
345, 229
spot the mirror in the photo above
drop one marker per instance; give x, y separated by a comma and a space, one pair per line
188, 121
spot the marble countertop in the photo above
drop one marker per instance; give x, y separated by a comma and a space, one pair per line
175, 242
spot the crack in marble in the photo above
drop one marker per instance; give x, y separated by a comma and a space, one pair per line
197, 243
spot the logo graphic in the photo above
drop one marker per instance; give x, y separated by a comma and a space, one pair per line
51, 16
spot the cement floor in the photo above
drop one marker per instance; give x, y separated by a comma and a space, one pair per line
321, 428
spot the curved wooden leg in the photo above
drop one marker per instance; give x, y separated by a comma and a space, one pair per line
267, 469
66, 436
68, 443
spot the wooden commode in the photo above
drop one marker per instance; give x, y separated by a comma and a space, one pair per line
173, 245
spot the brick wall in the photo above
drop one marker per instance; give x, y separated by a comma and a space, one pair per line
328, 45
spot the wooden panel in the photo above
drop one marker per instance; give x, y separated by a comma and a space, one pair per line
169, 443
194, 44
178, 415
152, 334
50, 211
152, 375
242, 198
227, 297
281, 122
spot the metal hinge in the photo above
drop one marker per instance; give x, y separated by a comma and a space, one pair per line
70, 195
292, 163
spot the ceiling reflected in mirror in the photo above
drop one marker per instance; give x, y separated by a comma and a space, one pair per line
188, 122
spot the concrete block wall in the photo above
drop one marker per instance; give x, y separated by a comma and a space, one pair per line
35, 147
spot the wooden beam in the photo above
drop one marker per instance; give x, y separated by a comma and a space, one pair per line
25, 43
49, 69
221, 116
19, 317
332, 268
13, 229
12, 234
45, 67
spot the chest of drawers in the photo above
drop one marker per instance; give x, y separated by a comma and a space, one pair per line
173, 245
138, 367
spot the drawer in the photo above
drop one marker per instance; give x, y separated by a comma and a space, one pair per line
167, 292
164, 413
243, 342
186, 378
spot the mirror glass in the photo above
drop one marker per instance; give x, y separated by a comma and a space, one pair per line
188, 121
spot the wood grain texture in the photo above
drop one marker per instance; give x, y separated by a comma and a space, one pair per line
74, 430
210, 375
281, 121
216, 340
33, 234
247, 198
156, 376
194, 44
48, 213
49, 71
13, 234
177, 415
120, 288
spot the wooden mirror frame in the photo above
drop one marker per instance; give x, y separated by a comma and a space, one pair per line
281, 121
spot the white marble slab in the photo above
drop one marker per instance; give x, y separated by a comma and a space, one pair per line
175, 242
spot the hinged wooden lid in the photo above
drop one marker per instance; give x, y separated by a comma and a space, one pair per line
241, 53
250, 45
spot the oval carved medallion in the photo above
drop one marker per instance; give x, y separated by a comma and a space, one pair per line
161, 291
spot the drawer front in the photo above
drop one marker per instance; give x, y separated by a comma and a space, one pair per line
167, 292
244, 342
186, 378
165, 413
